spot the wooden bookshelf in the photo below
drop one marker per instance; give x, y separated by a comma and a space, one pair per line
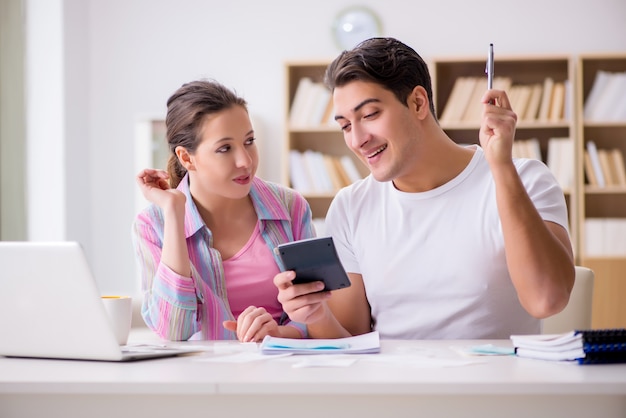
602, 203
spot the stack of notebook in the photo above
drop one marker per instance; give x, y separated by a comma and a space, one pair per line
583, 346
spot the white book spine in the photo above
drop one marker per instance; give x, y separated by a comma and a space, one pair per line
595, 161
298, 112
297, 171
597, 90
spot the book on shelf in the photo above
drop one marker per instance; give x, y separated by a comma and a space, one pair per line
473, 108
606, 101
560, 161
315, 172
464, 102
314, 163
520, 98
568, 109
328, 118
597, 346
590, 172
619, 111
532, 109
331, 169
341, 171
502, 83
606, 164
557, 102
321, 97
299, 104
513, 94
604, 237
310, 104
617, 157
458, 99
350, 168
595, 237
600, 82
595, 163
604, 167
546, 98
298, 173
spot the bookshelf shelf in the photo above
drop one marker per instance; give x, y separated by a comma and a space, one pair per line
605, 125
591, 190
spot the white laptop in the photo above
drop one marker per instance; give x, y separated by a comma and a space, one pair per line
50, 307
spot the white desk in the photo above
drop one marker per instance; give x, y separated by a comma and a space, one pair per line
503, 386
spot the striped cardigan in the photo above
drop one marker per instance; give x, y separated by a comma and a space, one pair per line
175, 306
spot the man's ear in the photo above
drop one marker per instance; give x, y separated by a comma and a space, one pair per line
418, 101
184, 157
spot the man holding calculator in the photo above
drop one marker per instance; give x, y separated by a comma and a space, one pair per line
441, 240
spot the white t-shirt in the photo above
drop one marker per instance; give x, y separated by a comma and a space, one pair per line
433, 263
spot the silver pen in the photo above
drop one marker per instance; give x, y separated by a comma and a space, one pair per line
489, 68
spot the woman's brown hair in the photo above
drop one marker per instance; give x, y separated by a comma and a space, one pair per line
186, 110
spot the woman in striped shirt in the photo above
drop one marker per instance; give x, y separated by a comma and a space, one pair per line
205, 243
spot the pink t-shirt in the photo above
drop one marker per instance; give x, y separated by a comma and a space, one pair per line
250, 278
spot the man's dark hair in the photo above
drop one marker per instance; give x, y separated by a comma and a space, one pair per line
384, 61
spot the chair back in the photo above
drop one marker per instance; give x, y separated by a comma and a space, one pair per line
577, 313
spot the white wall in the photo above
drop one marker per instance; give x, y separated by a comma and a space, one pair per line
132, 54
45, 117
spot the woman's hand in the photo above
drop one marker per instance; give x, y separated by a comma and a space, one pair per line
253, 325
155, 188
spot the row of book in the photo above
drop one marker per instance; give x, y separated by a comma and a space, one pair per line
312, 105
606, 100
592, 346
312, 172
604, 237
559, 159
537, 102
604, 167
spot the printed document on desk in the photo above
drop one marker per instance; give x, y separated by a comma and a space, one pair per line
361, 344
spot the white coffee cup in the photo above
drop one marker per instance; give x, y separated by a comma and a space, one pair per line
120, 312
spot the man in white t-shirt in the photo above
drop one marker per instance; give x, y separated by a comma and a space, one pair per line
441, 241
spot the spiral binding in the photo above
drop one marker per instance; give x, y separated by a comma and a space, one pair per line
602, 346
